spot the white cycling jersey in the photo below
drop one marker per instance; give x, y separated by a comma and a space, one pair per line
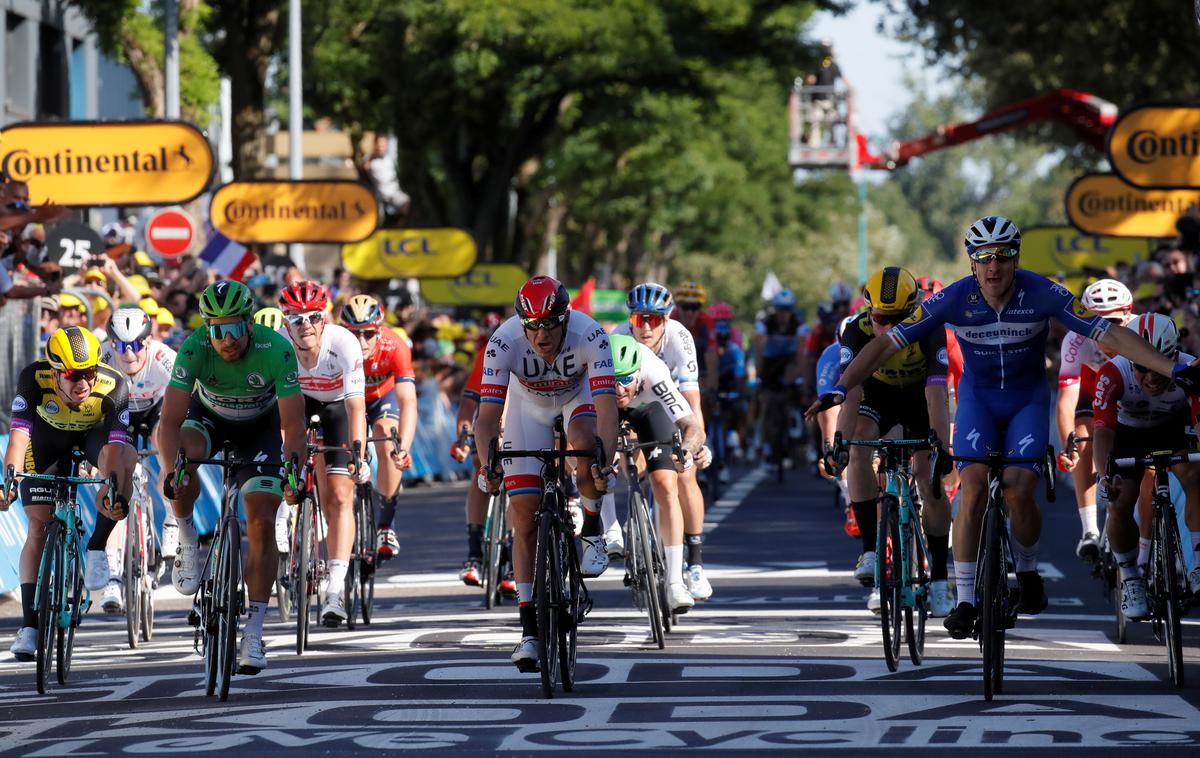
655, 385
1116, 385
148, 385
678, 350
338, 373
1081, 358
511, 363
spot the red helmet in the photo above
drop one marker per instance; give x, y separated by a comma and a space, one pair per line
720, 312
303, 296
929, 285
543, 297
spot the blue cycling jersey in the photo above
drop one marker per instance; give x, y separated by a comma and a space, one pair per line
1007, 349
732, 367
829, 368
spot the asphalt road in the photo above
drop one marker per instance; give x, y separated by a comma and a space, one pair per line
784, 657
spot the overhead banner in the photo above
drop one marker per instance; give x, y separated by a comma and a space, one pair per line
486, 285
411, 253
1055, 250
1157, 146
294, 211
104, 163
1103, 204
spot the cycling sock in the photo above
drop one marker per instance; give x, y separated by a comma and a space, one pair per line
589, 505
187, 531
387, 510
1027, 555
337, 576
867, 515
608, 510
475, 541
528, 616
1143, 551
255, 615
1087, 517
524, 593
674, 555
1196, 555
28, 591
169, 519
964, 581
693, 542
939, 549
1127, 561
99, 538
591, 524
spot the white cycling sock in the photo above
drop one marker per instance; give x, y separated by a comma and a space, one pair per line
524, 593
1027, 555
1127, 561
1143, 551
1087, 517
964, 581
608, 510
255, 615
187, 531
337, 576
589, 505
674, 563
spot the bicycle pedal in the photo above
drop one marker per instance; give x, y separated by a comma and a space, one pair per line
627, 580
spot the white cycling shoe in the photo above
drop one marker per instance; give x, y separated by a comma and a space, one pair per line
595, 556
864, 570
525, 655
185, 576
697, 583
615, 541
97, 574
113, 600
941, 602
333, 613
680, 598
24, 646
1134, 605
252, 654
873, 601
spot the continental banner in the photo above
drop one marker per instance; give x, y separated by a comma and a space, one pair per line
1157, 146
411, 253
1103, 204
1054, 250
104, 163
294, 211
486, 285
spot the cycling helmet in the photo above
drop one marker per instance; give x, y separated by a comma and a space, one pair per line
992, 231
72, 348
129, 323
784, 299
721, 312
891, 290
840, 292
67, 300
1159, 330
929, 285
691, 293
627, 357
303, 296
1106, 296
650, 298
361, 312
272, 318
543, 297
226, 298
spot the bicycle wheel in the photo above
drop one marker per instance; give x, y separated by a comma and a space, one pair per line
209, 628
284, 593
147, 606
350, 590
1168, 557
492, 548
229, 594
1116, 592
646, 577
889, 578
71, 614
916, 615
547, 591
992, 584
570, 613
305, 570
368, 563
49, 601
659, 565
134, 534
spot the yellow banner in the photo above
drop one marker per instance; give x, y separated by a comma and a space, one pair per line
1051, 250
1103, 204
417, 253
294, 211
488, 284
101, 163
1157, 146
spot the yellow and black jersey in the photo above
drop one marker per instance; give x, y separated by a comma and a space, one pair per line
37, 403
923, 362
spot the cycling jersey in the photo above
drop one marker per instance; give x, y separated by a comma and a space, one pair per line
655, 385
829, 369
338, 372
677, 349
780, 340
703, 332
147, 386
475, 380
1081, 359
1121, 399
390, 362
921, 363
510, 362
731, 367
37, 403
819, 338
241, 390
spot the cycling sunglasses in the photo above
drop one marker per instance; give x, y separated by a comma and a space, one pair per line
540, 324
367, 335
233, 330
627, 380
647, 320
79, 374
994, 253
312, 317
888, 318
136, 346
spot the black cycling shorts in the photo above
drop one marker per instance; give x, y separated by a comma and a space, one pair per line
49, 452
335, 432
148, 419
888, 405
1176, 435
386, 405
258, 439
651, 422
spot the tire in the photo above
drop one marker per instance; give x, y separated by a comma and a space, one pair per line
305, 571
229, 589
647, 579
209, 629
660, 571
889, 579
1117, 593
368, 561
568, 633
492, 550
134, 570
993, 585
368, 595
73, 607
148, 616
350, 590
1168, 540
918, 578
547, 591
49, 600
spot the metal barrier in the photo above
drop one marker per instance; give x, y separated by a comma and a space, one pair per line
20, 344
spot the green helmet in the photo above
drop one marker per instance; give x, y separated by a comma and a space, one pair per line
226, 298
627, 355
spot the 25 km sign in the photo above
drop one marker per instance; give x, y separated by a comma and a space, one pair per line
71, 243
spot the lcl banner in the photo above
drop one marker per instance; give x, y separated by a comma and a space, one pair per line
294, 211
1157, 146
487, 284
411, 253
1103, 204
1053, 250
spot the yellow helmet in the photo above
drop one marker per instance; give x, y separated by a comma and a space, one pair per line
892, 290
72, 347
272, 318
67, 300
691, 292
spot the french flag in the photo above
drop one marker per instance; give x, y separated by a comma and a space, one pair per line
228, 258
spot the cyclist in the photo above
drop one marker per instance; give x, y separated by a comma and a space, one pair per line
690, 299
826, 330
560, 363
1001, 313
270, 317
234, 382
908, 389
1081, 359
69, 399
648, 306
649, 400
391, 399
1139, 411
147, 363
829, 371
333, 383
731, 380
779, 339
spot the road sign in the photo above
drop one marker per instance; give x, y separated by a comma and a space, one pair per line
71, 243
170, 232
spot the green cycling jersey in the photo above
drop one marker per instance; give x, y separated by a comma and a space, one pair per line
240, 390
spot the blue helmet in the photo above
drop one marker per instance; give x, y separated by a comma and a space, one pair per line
650, 298
784, 300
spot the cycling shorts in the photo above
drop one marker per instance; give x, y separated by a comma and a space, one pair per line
257, 439
888, 405
49, 452
652, 423
384, 406
334, 432
1176, 435
1014, 421
147, 418
530, 426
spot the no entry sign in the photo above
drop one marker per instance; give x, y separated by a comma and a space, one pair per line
170, 232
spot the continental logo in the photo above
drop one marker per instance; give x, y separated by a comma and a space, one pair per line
1147, 146
294, 211
1103, 204
251, 213
23, 165
1133, 201
1157, 146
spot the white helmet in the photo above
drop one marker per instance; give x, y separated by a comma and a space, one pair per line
840, 292
1106, 296
992, 231
1159, 330
129, 323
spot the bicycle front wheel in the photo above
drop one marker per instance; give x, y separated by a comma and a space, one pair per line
992, 587
134, 534
71, 614
49, 601
570, 613
889, 579
493, 546
1169, 561
228, 591
306, 572
915, 615
647, 579
548, 594
369, 561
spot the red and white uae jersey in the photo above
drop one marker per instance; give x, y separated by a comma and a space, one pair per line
338, 373
510, 362
1080, 361
1120, 399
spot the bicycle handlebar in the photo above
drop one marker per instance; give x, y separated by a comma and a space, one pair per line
995, 462
1157, 459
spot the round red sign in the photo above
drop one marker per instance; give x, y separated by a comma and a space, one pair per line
170, 232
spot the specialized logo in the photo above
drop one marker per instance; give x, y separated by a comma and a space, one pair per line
973, 438
1025, 442
1021, 297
